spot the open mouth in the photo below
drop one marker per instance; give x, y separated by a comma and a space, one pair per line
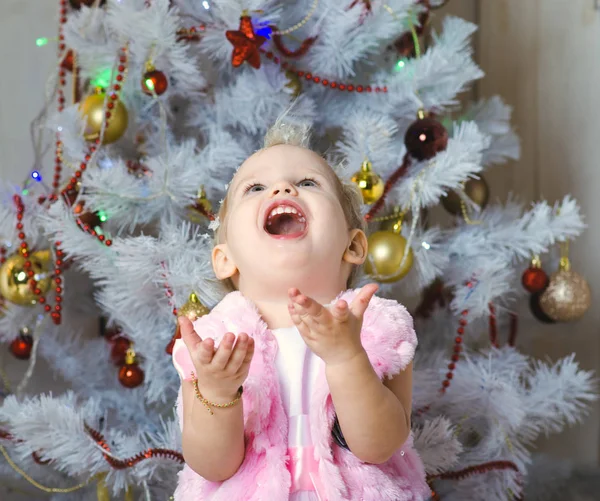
285, 221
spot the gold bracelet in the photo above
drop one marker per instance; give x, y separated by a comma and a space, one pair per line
208, 404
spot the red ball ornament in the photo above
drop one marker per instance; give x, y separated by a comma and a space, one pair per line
119, 350
425, 138
176, 336
131, 375
154, 80
534, 279
21, 346
67, 62
405, 46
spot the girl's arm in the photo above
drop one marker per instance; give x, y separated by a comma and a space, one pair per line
374, 416
213, 445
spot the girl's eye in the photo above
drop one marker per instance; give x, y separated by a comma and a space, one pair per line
307, 183
254, 188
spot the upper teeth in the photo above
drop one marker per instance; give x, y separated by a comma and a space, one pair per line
287, 209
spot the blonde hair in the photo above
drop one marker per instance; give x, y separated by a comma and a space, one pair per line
285, 133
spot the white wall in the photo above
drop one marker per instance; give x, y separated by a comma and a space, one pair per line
24, 69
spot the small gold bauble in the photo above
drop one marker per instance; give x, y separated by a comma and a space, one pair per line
15, 283
567, 296
475, 189
392, 222
294, 83
370, 184
193, 308
92, 110
384, 259
197, 212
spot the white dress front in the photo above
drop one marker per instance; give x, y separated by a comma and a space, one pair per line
297, 369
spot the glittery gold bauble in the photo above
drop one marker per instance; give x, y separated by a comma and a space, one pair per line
386, 253
92, 110
294, 83
567, 296
15, 282
193, 308
475, 189
370, 184
197, 212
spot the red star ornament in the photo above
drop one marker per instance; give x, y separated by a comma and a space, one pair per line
245, 44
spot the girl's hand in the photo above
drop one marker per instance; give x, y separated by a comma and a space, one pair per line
220, 372
332, 333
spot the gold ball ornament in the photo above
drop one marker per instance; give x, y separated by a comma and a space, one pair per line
294, 83
567, 296
193, 308
92, 110
475, 189
370, 184
386, 262
15, 283
197, 213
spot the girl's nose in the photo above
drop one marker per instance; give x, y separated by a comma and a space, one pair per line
283, 187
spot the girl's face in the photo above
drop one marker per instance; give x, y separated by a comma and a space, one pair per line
285, 223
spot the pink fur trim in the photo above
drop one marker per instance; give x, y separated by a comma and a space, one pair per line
390, 341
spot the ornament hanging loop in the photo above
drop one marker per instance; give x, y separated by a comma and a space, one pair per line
565, 262
536, 262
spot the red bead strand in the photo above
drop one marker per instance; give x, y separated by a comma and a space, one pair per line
330, 84
169, 294
493, 326
190, 34
24, 246
389, 184
73, 182
500, 465
25, 251
122, 464
58, 285
60, 96
456, 351
116, 86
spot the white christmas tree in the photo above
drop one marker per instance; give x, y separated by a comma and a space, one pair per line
153, 105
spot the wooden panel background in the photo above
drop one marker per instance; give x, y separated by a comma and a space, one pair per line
542, 58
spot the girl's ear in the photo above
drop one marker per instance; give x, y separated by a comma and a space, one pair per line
356, 252
222, 263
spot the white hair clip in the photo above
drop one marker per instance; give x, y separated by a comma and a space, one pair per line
214, 224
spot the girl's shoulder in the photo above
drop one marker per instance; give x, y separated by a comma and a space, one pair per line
387, 334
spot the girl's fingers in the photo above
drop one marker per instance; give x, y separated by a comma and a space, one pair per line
249, 354
189, 336
238, 355
308, 308
223, 353
205, 351
340, 310
362, 299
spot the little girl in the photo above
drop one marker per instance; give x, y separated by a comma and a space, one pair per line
294, 388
